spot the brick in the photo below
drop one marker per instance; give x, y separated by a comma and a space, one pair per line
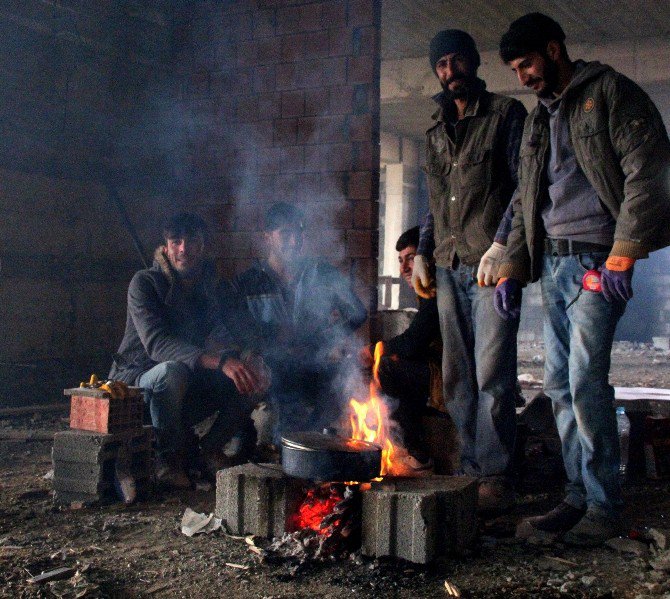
365, 41
360, 185
342, 99
288, 20
419, 519
286, 77
361, 244
264, 23
292, 104
230, 81
285, 131
247, 53
362, 69
317, 101
268, 50
270, 106
365, 215
362, 12
310, 73
366, 156
317, 44
333, 129
257, 499
360, 127
293, 47
310, 17
328, 157
334, 70
328, 215
308, 130
106, 415
340, 42
334, 14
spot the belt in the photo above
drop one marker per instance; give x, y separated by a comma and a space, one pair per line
566, 247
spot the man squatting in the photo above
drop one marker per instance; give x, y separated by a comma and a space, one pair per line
593, 193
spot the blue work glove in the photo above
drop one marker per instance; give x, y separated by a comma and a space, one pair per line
617, 279
507, 298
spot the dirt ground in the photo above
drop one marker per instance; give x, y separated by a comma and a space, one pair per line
139, 551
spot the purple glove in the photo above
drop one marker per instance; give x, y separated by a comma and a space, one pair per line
617, 285
507, 299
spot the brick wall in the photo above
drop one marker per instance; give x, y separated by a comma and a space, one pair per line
86, 88
282, 98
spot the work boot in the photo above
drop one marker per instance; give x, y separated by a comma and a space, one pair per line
495, 496
593, 529
556, 522
170, 474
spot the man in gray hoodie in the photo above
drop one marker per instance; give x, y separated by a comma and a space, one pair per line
593, 197
177, 348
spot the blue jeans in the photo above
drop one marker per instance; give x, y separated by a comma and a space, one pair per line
178, 399
479, 371
578, 342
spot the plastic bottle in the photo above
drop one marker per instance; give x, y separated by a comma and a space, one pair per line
623, 426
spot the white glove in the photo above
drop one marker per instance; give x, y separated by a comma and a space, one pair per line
487, 273
422, 281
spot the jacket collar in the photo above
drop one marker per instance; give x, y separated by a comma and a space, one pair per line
162, 264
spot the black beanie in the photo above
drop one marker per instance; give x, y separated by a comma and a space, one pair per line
450, 41
530, 33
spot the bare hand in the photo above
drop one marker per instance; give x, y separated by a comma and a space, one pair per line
245, 378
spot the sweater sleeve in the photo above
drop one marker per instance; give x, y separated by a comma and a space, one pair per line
414, 342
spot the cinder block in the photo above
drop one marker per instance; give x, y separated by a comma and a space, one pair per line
84, 446
257, 499
419, 519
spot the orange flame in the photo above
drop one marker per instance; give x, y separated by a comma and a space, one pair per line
369, 419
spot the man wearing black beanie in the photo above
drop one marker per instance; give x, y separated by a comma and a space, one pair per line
471, 164
593, 198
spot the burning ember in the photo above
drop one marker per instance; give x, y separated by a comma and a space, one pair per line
369, 419
318, 504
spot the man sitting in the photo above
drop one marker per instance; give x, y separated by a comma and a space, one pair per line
176, 347
410, 369
303, 310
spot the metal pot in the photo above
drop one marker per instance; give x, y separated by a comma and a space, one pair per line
325, 457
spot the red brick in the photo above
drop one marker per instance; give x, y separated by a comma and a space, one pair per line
247, 53
309, 73
334, 14
366, 156
360, 244
264, 79
293, 47
365, 270
286, 187
333, 129
270, 105
230, 81
365, 41
247, 109
288, 20
235, 244
362, 69
362, 12
360, 127
264, 23
328, 243
286, 76
360, 185
307, 130
340, 42
285, 131
335, 70
292, 104
317, 44
333, 184
365, 215
243, 26
198, 84
308, 187
335, 157
258, 134
341, 99
310, 17
328, 215
317, 101
268, 50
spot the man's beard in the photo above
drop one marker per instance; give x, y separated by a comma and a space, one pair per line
461, 91
550, 77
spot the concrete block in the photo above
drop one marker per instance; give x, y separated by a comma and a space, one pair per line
85, 446
661, 342
419, 519
257, 499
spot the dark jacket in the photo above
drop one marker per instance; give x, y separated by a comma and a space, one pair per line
622, 146
470, 181
165, 323
319, 310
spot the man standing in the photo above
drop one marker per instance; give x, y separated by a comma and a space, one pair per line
471, 164
410, 369
176, 348
593, 196
303, 311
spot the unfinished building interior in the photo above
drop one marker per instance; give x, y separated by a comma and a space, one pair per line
116, 114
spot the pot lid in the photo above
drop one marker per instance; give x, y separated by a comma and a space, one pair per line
314, 441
